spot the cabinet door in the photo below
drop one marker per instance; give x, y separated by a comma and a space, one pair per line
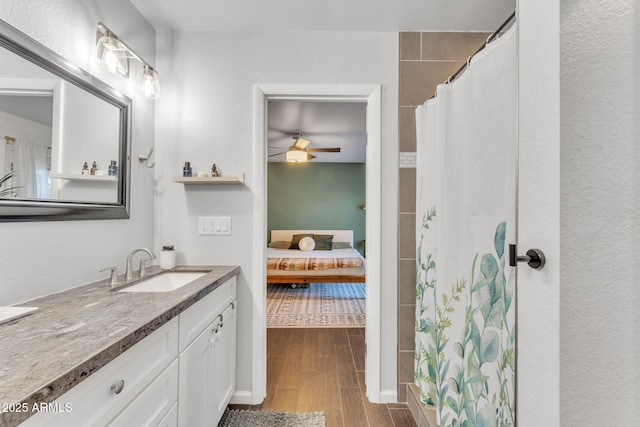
196, 380
224, 360
154, 403
94, 402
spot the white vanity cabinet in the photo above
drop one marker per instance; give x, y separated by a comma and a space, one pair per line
183, 374
207, 358
224, 361
139, 375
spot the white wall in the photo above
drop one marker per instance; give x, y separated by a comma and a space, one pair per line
539, 214
205, 115
599, 216
39, 258
579, 202
91, 136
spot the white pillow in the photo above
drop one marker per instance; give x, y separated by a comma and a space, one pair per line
307, 244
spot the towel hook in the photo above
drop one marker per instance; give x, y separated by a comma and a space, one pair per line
145, 159
534, 258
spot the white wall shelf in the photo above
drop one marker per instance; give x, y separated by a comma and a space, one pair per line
93, 178
230, 178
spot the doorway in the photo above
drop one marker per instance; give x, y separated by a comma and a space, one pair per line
316, 180
369, 94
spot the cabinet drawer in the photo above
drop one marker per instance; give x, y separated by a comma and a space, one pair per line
196, 319
154, 403
93, 401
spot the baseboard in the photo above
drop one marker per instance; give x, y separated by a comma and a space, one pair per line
242, 398
389, 396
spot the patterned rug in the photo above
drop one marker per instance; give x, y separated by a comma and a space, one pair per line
321, 305
246, 418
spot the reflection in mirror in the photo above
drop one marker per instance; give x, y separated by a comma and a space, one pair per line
28, 111
63, 137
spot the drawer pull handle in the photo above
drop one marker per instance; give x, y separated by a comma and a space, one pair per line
217, 328
117, 386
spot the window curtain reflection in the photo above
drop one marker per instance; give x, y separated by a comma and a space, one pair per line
32, 170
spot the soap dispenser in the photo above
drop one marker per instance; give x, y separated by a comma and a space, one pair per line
167, 257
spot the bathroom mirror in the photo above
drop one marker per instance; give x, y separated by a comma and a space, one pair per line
64, 137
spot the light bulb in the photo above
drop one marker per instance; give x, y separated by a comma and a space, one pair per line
147, 83
110, 55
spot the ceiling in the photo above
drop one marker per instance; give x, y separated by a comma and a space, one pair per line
35, 108
328, 15
327, 124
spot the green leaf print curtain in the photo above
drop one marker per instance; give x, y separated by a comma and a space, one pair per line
465, 311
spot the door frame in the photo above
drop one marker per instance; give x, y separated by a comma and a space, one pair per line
371, 94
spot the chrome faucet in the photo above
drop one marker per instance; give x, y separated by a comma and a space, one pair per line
129, 273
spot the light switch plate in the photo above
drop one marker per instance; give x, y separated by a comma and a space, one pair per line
214, 226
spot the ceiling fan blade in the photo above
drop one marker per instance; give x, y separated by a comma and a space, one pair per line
301, 143
277, 154
310, 156
323, 150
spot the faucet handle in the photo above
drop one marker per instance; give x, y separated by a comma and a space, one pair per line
143, 268
113, 280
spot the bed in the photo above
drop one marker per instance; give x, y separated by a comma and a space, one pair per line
342, 265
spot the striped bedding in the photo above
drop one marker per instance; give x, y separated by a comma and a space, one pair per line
295, 260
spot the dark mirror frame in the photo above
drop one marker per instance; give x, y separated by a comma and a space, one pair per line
61, 210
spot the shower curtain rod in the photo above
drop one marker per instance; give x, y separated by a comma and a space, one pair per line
491, 38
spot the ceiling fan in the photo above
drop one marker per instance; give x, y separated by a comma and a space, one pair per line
299, 153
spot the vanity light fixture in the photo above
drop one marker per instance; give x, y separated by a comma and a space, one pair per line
112, 55
147, 83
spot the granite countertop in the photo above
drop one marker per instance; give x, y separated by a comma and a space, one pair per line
76, 332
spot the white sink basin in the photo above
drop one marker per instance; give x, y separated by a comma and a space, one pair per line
10, 313
165, 282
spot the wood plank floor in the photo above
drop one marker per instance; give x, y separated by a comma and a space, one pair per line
322, 369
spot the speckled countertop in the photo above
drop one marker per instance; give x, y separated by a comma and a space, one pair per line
76, 332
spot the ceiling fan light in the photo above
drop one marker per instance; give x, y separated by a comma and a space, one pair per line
296, 156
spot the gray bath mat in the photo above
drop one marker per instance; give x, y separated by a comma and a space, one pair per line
246, 418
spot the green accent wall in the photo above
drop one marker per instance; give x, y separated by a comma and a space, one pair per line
317, 196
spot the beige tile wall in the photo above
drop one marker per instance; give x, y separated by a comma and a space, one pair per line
426, 59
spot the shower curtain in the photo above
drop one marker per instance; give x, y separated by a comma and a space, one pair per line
466, 183
32, 170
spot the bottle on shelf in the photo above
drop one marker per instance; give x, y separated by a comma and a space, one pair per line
186, 170
94, 168
113, 168
85, 169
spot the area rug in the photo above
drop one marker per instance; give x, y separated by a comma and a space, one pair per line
246, 418
321, 305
